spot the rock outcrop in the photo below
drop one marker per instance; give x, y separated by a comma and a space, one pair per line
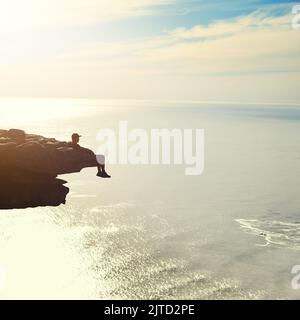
29, 165
34, 156
21, 195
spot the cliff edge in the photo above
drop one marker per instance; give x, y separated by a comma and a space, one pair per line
29, 165
34, 156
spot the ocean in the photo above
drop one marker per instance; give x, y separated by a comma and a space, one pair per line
152, 232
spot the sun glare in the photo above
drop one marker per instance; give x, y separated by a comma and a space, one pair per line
14, 14
17, 112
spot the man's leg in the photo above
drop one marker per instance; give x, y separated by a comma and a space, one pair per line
101, 167
101, 171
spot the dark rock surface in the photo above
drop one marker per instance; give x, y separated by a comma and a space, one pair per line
29, 165
32, 155
18, 195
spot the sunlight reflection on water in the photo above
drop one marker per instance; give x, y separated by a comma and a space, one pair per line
153, 232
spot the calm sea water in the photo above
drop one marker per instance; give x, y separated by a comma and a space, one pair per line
151, 231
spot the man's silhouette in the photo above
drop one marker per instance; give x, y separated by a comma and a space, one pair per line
100, 164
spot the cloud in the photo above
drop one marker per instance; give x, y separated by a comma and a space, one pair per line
17, 15
255, 57
255, 21
255, 44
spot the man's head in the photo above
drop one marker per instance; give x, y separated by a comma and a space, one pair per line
75, 138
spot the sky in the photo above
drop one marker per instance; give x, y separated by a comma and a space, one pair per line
214, 50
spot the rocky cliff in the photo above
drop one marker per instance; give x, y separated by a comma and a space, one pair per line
29, 165
34, 156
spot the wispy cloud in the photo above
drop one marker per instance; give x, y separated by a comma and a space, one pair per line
257, 20
256, 43
254, 55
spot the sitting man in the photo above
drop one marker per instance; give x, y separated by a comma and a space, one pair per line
100, 164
